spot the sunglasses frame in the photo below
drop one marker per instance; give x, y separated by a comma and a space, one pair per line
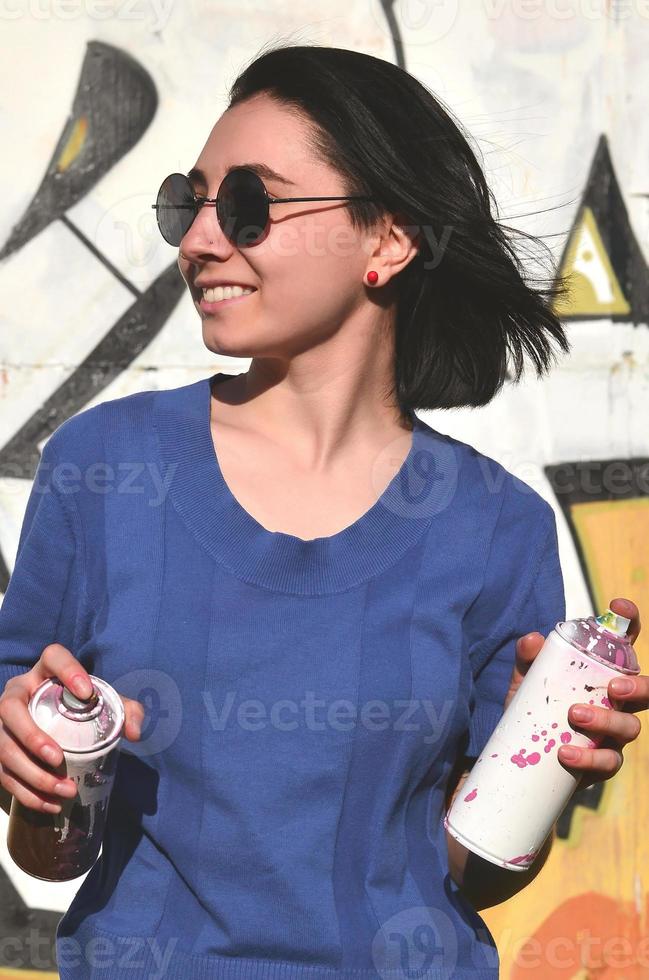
199, 202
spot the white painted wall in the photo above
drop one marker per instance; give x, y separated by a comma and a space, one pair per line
535, 83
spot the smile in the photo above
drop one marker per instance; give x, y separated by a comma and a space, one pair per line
219, 297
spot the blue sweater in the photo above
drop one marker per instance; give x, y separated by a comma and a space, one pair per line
282, 816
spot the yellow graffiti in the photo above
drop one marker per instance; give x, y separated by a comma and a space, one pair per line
594, 287
597, 878
6, 974
74, 144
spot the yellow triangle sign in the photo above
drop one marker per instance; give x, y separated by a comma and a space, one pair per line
594, 288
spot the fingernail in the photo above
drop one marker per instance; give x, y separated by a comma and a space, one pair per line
63, 789
569, 754
582, 714
50, 755
82, 687
622, 685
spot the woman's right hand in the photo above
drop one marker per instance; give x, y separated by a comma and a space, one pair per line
31, 763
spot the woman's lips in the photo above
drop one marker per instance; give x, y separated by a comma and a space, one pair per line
207, 307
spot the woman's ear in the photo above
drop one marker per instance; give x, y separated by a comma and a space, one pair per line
397, 242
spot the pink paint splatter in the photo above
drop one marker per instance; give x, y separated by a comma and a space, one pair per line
535, 738
471, 796
607, 703
544, 732
523, 858
548, 747
494, 755
566, 737
591, 701
555, 724
521, 760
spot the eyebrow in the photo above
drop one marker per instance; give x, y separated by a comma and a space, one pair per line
196, 175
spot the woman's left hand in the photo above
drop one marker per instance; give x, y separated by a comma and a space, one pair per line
612, 728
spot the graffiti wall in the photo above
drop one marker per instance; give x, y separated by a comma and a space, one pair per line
101, 100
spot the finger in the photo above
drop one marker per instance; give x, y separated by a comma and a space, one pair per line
25, 767
527, 649
628, 609
591, 761
57, 661
15, 718
26, 795
133, 718
636, 698
607, 723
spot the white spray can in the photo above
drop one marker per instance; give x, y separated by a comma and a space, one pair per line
518, 788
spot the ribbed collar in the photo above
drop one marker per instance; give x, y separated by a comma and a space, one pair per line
271, 559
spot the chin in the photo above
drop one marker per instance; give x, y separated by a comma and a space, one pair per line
229, 346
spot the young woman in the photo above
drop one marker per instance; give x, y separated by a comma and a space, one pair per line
330, 600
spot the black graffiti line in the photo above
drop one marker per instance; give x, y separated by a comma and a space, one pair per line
99, 255
132, 333
393, 24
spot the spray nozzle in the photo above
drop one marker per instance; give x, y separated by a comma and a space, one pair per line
613, 622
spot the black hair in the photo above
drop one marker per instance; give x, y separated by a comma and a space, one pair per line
460, 319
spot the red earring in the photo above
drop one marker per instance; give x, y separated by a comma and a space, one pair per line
372, 277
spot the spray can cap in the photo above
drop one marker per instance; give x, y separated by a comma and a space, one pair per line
74, 703
614, 622
603, 638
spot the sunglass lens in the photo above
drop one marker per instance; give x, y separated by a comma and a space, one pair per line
242, 207
175, 208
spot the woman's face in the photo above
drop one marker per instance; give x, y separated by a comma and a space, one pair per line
307, 271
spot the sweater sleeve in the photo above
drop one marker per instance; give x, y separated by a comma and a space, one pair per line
41, 602
523, 592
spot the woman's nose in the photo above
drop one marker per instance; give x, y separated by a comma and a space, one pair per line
205, 235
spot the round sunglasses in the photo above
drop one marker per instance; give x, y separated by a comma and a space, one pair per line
241, 202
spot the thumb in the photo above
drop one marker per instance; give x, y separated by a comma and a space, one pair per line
133, 718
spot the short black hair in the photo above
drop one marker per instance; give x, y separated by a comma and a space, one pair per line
459, 319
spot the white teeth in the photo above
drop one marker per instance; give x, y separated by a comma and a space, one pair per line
218, 293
